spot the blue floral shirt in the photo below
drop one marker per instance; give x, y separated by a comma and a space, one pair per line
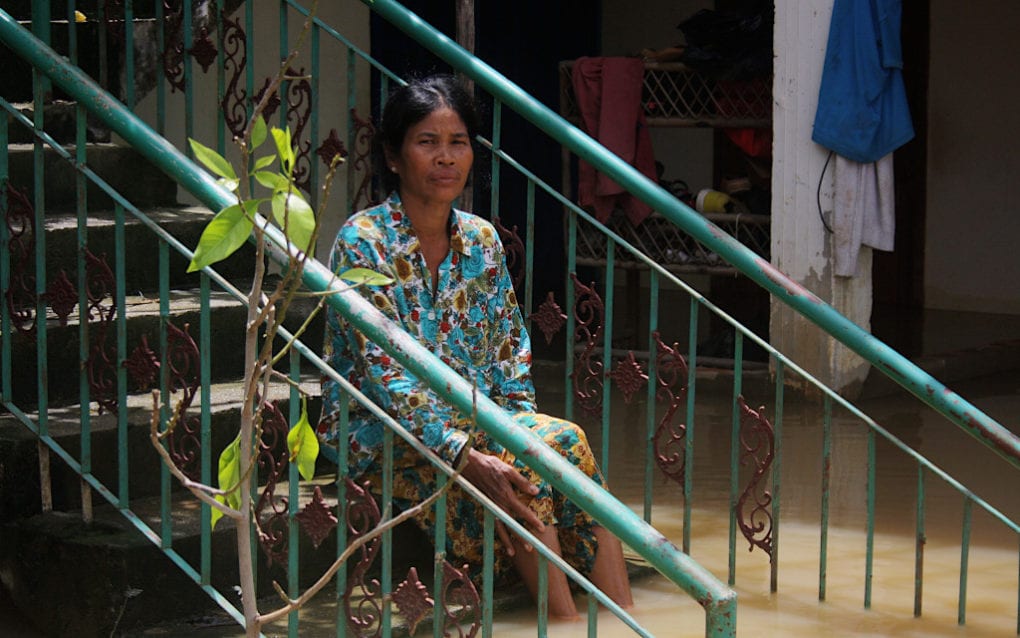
472, 323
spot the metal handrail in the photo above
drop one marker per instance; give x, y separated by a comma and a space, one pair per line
718, 600
891, 363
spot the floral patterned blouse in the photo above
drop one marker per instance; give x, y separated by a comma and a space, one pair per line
472, 323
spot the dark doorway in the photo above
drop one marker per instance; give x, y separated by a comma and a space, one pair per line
524, 41
898, 276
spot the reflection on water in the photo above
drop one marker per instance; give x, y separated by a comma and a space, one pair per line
992, 575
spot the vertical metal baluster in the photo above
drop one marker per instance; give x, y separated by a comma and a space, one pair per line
497, 137
607, 351
221, 83
439, 601
81, 210
568, 305
593, 616
543, 594
653, 382
313, 169
352, 103
129, 54
823, 561
386, 577
40, 86
165, 479
5, 263
870, 541
120, 267
488, 566
343, 428
161, 45
920, 541
777, 467
692, 365
529, 256
205, 429
104, 63
284, 52
738, 380
293, 501
189, 90
961, 615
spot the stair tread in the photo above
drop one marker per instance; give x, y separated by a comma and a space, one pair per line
64, 421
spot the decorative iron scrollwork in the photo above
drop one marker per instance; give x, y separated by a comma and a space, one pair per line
270, 510
235, 59
364, 130
513, 247
183, 443
20, 294
365, 611
549, 318
588, 369
629, 376
758, 447
101, 364
671, 381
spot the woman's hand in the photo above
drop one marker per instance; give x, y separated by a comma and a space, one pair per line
502, 483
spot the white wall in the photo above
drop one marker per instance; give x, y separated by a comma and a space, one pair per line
628, 27
973, 217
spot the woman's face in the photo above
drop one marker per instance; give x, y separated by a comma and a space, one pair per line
434, 160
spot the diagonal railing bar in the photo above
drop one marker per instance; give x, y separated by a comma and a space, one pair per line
887, 360
310, 355
718, 600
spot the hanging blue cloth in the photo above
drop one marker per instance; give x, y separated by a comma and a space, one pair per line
862, 104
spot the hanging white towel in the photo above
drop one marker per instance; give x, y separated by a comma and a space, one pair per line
864, 213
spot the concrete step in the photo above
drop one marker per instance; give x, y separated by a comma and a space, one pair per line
141, 246
123, 168
19, 456
122, 583
227, 321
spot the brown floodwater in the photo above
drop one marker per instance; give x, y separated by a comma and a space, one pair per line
795, 610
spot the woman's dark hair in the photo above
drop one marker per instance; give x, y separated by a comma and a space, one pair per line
410, 104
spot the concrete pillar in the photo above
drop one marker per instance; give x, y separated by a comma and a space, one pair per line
801, 247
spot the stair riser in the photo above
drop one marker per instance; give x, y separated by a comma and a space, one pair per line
122, 168
141, 251
19, 460
62, 363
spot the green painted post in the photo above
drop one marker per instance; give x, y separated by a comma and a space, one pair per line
607, 352
653, 386
293, 499
692, 377
826, 487
735, 448
968, 506
920, 539
869, 559
497, 136
120, 273
777, 472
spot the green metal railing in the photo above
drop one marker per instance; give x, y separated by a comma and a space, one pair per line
661, 282
719, 601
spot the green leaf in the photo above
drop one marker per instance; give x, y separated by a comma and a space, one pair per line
258, 133
229, 184
273, 181
229, 476
284, 148
212, 160
262, 162
365, 277
227, 232
216, 514
295, 216
303, 445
